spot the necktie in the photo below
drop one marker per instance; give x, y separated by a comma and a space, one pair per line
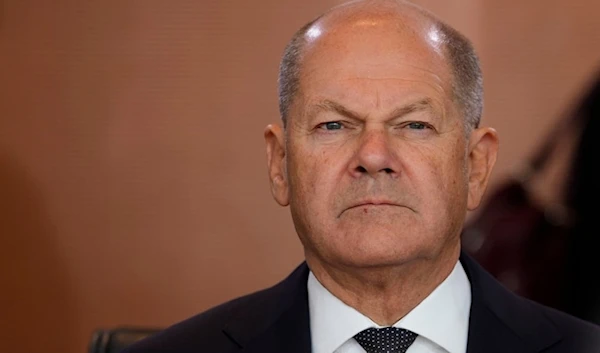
385, 340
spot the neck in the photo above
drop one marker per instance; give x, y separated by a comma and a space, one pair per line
385, 294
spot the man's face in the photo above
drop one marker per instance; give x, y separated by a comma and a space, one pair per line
376, 152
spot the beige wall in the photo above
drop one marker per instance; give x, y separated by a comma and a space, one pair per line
132, 169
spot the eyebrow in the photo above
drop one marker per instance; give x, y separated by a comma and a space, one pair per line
327, 105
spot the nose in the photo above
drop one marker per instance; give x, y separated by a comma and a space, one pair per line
374, 156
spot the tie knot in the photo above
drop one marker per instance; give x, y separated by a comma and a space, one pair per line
385, 340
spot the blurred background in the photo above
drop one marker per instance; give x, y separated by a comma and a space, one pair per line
133, 184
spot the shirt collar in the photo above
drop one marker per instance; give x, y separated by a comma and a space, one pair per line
442, 317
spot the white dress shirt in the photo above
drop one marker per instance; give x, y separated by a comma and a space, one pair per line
441, 320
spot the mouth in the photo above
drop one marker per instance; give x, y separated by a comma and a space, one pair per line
372, 204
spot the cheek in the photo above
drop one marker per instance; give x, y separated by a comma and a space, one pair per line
444, 179
312, 178
455, 189
313, 184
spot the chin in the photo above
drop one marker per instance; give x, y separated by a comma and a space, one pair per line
374, 261
380, 249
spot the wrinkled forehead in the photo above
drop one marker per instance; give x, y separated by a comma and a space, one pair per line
374, 40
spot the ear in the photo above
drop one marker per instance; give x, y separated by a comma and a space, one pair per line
276, 163
483, 149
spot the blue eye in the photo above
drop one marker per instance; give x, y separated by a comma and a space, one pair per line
332, 125
417, 126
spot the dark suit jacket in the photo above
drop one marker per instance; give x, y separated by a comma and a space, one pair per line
276, 320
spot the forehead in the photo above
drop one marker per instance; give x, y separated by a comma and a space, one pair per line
375, 47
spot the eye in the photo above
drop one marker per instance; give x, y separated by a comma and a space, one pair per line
331, 125
417, 126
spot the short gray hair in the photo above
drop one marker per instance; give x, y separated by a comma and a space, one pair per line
467, 83
289, 70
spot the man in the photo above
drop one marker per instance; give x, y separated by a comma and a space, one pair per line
379, 158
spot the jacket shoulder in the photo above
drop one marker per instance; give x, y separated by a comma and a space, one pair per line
577, 335
207, 331
202, 332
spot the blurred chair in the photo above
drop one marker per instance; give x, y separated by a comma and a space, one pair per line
114, 340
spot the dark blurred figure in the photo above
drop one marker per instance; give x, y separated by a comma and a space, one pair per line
549, 252
582, 285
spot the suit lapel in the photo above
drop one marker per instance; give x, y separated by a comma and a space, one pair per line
488, 334
278, 321
291, 333
500, 321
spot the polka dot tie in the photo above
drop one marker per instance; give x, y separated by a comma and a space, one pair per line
385, 340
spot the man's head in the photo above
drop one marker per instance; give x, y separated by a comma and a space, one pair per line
467, 81
381, 157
